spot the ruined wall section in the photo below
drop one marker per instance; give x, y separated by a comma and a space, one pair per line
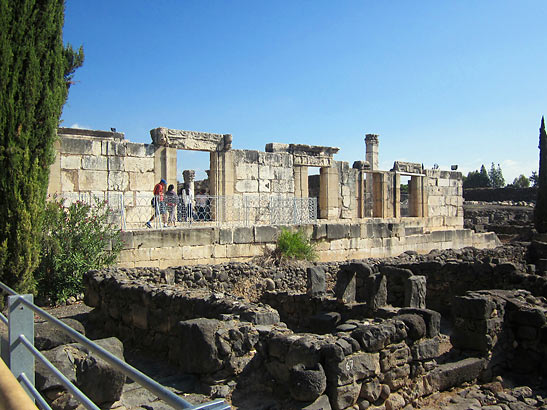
104, 165
444, 199
348, 188
259, 179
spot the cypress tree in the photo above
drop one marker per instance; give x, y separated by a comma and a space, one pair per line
540, 211
35, 73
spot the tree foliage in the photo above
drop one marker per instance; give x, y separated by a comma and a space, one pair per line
540, 211
534, 179
496, 177
477, 179
35, 73
520, 182
75, 239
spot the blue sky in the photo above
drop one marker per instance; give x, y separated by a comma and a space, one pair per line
447, 82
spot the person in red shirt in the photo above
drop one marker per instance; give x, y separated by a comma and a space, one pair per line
158, 204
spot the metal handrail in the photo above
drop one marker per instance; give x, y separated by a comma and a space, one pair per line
24, 380
139, 377
88, 404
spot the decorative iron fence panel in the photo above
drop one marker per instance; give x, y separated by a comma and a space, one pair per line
138, 211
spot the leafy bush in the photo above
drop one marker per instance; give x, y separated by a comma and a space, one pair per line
295, 245
76, 238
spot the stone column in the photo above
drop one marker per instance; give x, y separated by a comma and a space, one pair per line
415, 197
360, 188
397, 195
379, 195
221, 176
221, 184
301, 182
328, 193
189, 176
165, 164
371, 141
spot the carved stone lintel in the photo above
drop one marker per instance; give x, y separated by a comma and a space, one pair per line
191, 140
410, 167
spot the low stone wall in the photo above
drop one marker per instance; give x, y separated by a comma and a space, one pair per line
509, 222
509, 327
366, 362
500, 194
334, 242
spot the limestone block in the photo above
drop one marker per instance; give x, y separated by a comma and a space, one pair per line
219, 251
171, 252
243, 250
264, 186
322, 246
282, 173
266, 233
115, 164
139, 150
337, 231
247, 185
138, 164
69, 180
118, 181
443, 182
114, 148
340, 244
198, 236
89, 180
197, 252
265, 172
80, 146
226, 236
246, 171
71, 161
243, 235
283, 186
141, 181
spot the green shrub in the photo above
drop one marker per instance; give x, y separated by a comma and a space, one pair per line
295, 245
76, 238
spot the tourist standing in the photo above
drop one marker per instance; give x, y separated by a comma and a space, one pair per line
158, 204
188, 197
171, 200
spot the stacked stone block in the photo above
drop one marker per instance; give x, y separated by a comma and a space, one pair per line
506, 327
444, 199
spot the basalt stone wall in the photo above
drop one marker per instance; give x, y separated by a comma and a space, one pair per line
508, 222
500, 194
366, 362
507, 326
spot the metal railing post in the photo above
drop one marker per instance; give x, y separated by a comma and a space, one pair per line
21, 322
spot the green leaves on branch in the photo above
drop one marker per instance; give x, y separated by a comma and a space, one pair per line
76, 238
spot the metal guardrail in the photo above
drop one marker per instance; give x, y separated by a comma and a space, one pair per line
20, 355
134, 211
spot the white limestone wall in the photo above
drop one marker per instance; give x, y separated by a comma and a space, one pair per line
96, 166
444, 199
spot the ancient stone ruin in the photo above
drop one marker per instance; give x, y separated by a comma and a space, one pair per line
445, 306
358, 334
349, 212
